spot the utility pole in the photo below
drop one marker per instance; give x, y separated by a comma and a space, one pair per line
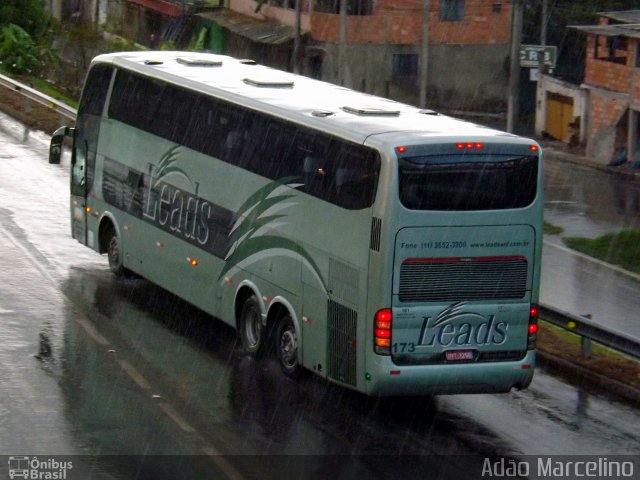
543, 37
424, 52
295, 60
542, 70
514, 73
342, 47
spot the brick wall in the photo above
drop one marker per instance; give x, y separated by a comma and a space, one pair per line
400, 22
605, 114
605, 74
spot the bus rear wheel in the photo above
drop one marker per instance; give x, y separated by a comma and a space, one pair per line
114, 256
287, 347
250, 328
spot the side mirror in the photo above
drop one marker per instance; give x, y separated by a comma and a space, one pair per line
57, 139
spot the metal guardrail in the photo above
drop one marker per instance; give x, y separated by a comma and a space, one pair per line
590, 331
32, 94
581, 326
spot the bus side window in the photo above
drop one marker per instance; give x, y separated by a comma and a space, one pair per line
356, 177
135, 100
227, 138
171, 119
307, 162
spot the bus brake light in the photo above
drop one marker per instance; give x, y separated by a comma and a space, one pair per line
534, 310
382, 332
469, 146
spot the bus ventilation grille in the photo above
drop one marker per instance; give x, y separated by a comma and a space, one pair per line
463, 279
376, 228
341, 355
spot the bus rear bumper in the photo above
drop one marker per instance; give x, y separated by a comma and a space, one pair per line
384, 378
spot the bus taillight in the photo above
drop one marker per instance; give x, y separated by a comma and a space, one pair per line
382, 332
533, 327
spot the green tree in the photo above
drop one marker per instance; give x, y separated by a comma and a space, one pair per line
30, 15
18, 51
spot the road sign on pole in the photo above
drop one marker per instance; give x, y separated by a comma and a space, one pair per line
529, 55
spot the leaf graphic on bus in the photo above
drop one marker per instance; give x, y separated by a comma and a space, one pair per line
243, 230
256, 245
263, 193
453, 311
242, 238
248, 224
166, 166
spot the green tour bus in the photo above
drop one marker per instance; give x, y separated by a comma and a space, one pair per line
386, 248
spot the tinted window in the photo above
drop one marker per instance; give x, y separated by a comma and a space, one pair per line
487, 183
95, 90
173, 114
135, 100
334, 170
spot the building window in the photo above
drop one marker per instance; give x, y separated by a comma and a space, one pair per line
354, 7
404, 65
451, 10
611, 49
497, 8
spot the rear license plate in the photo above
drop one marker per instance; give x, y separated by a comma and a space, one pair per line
459, 355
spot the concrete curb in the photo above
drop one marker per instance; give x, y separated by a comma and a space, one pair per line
554, 153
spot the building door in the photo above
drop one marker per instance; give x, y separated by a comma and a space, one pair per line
559, 116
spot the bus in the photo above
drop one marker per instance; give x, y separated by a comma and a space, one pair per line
387, 248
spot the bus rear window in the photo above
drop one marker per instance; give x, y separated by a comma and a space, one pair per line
456, 182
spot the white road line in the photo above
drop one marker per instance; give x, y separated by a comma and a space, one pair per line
45, 273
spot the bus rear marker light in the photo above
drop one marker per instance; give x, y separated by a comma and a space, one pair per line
192, 261
382, 332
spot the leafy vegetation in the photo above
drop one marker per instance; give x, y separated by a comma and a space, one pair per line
622, 248
551, 229
29, 15
26, 32
18, 51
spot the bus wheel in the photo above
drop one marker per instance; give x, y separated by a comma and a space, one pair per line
250, 327
287, 347
113, 254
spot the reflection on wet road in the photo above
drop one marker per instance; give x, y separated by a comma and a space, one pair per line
94, 365
589, 203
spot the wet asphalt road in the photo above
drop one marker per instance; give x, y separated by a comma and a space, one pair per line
590, 203
94, 366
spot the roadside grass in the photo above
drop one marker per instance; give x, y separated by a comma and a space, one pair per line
576, 340
622, 248
604, 361
42, 86
50, 90
550, 229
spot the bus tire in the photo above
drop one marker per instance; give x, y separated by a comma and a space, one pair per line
286, 344
113, 254
250, 327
